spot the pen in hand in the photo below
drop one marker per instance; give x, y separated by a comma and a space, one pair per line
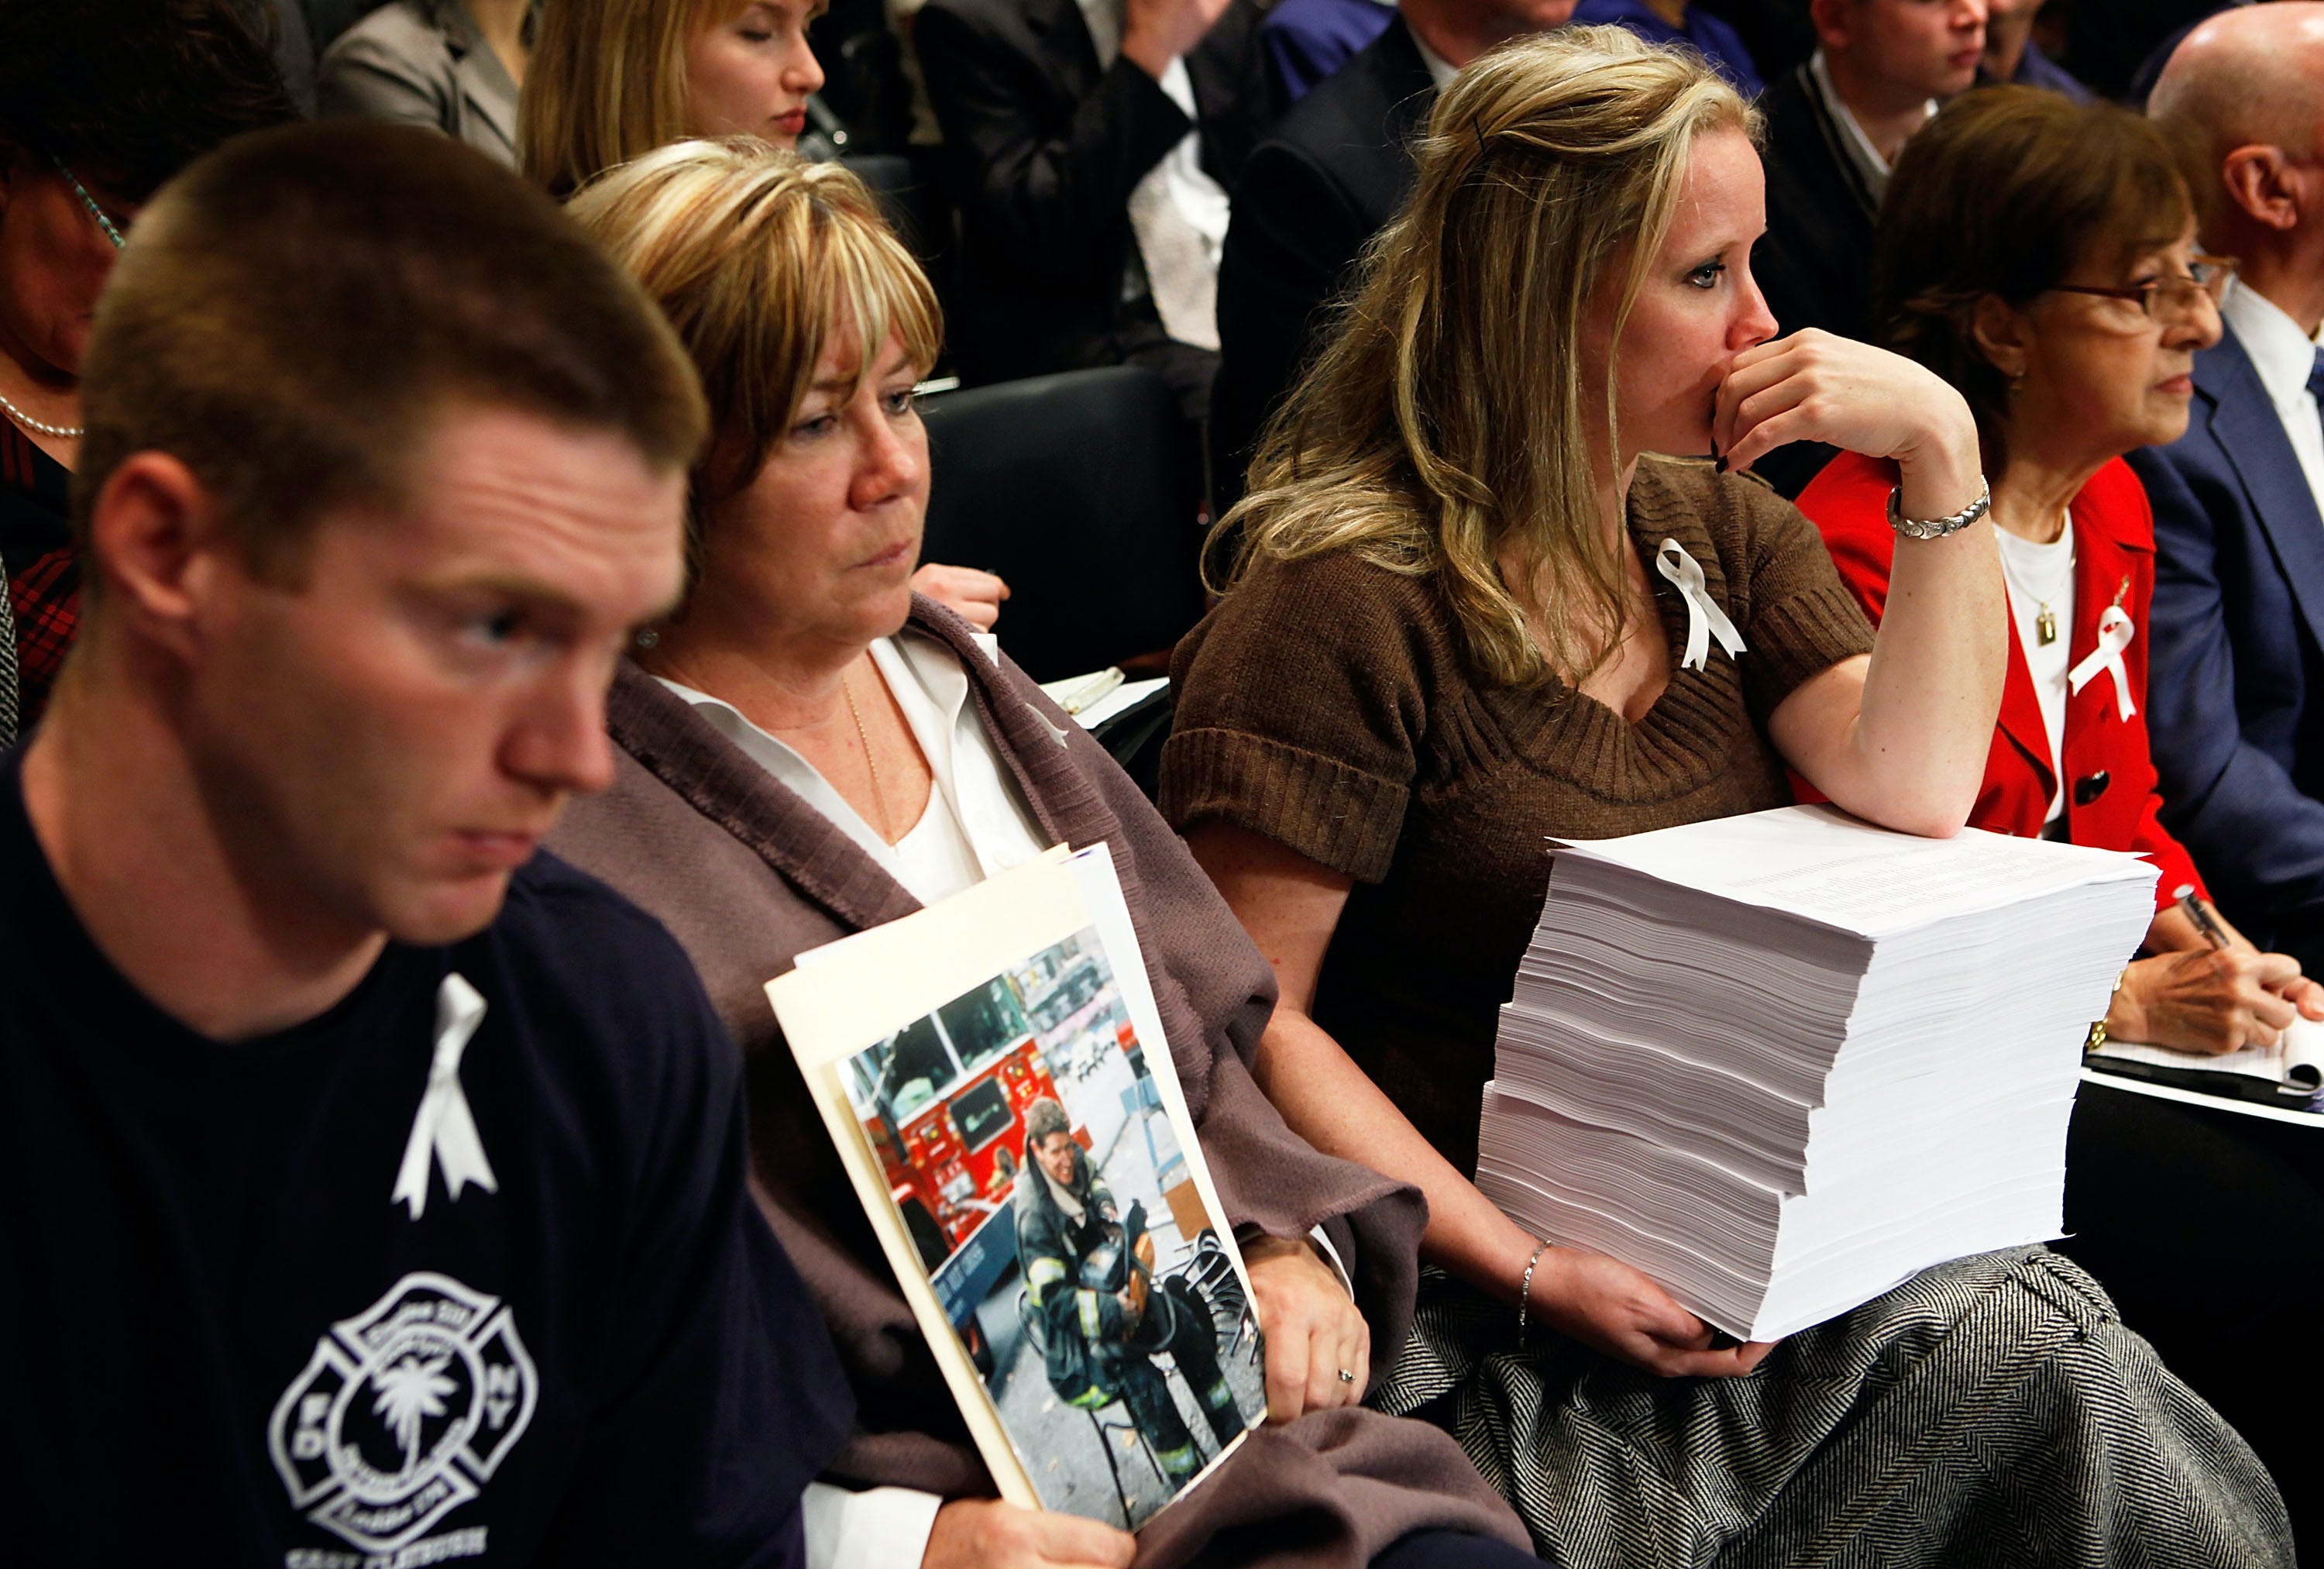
2303, 1076
2200, 914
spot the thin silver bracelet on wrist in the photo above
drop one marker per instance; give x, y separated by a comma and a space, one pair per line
1524, 1290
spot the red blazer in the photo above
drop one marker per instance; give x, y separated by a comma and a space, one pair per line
2111, 797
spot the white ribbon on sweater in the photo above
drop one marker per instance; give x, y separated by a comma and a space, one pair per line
444, 1127
2115, 634
1705, 619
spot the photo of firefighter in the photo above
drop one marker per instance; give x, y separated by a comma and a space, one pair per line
1028, 1152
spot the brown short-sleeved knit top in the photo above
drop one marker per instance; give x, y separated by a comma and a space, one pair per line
1329, 704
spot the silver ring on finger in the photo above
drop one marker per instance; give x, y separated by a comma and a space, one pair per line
1346, 1377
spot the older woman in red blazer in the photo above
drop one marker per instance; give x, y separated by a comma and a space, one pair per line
2103, 785
2039, 257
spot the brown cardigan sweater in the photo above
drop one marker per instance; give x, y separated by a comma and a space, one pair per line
1329, 704
746, 875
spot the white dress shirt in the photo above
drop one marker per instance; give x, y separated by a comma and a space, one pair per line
2285, 357
1440, 71
881, 1527
973, 824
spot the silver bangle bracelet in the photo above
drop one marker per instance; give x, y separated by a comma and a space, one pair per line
1938, 528
1524, 1290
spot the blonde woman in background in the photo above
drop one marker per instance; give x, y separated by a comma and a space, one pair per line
807, 748
611, 80
1450, 640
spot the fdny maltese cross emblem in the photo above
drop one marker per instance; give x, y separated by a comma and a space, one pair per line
404, 1412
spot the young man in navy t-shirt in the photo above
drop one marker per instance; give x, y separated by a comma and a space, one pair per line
371, 1188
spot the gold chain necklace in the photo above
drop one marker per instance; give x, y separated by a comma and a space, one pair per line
879, 794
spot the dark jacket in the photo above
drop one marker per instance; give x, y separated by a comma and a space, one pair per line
1815, 263
1332, 174
1045, 149
2237, 705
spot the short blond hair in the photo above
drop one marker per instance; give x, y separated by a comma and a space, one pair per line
759, 259
606, 83
1447, 418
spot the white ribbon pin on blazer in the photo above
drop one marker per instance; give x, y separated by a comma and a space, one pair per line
1705, 619
444, 1128
2114, 632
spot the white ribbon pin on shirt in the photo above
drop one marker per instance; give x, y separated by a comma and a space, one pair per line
444, 1127
2114, 632
1705, 619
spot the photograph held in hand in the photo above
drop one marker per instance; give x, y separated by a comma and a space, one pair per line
994, 1071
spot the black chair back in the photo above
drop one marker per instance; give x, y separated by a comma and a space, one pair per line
1077, 488
910, 198
913, 199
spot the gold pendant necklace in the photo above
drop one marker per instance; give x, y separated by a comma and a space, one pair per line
2046, 618
879, 794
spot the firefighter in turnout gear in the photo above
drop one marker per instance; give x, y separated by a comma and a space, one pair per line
1089, 1275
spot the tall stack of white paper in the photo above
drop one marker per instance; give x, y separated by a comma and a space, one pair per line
1782, 1062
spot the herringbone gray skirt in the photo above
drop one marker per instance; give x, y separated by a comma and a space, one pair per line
1991, 1411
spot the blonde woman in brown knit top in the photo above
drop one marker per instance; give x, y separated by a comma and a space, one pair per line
1458, 628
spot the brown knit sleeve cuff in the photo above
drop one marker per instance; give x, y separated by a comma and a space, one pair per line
1336, 816
1801, 637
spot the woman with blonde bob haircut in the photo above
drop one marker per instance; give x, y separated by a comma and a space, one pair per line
758, 260
807, 749
1487, 591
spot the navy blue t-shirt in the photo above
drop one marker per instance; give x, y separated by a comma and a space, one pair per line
223, 1341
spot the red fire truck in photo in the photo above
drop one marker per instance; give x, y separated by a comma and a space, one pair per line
955, 1157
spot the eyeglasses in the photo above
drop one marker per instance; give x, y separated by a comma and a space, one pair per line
112, 230
2164, 299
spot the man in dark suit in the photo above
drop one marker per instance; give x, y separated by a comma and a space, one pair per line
1093, 143
2236, 703
1332, 174
1835, 126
